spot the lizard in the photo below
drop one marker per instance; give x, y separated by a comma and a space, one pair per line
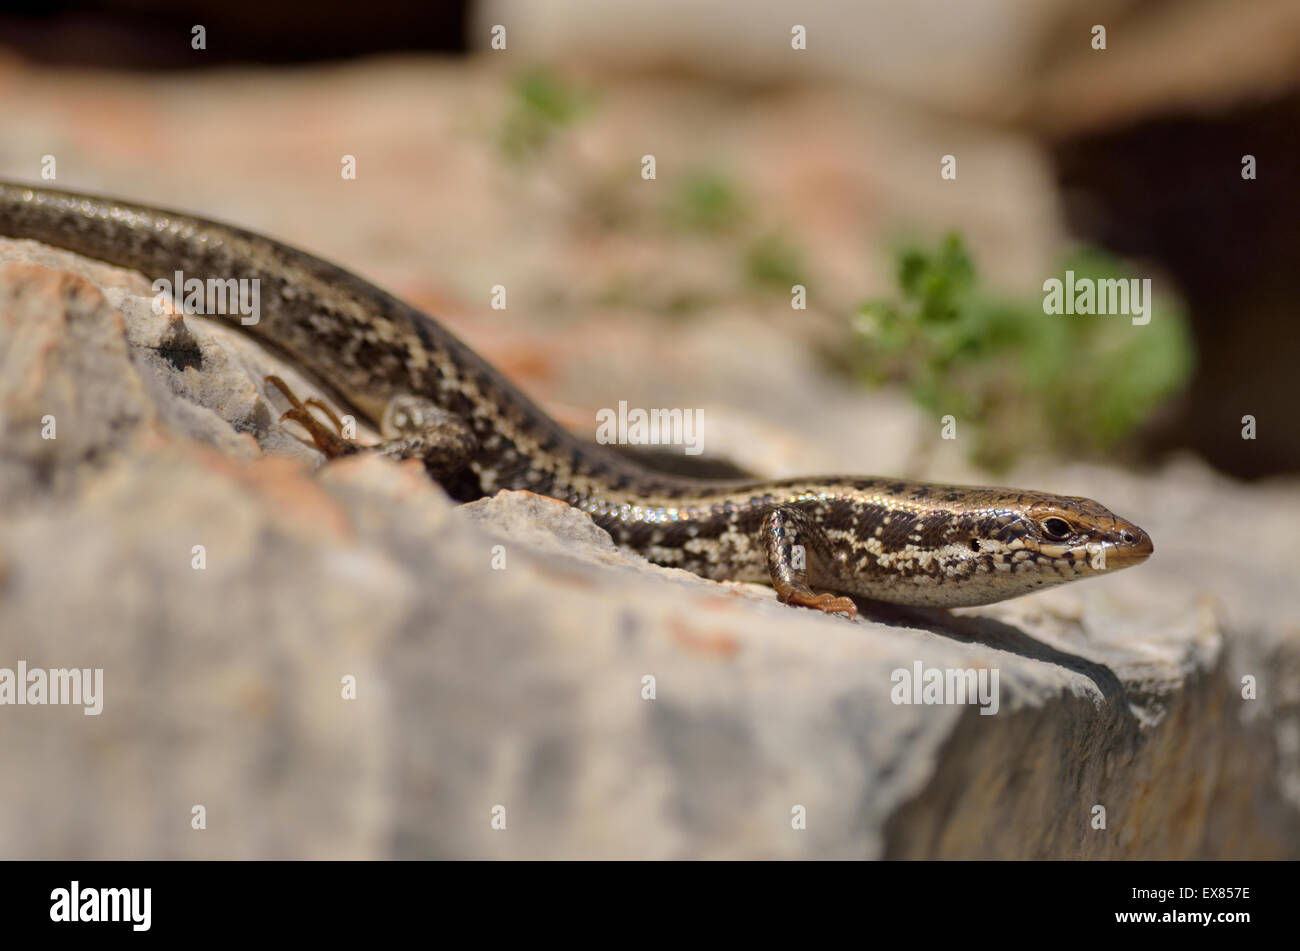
435, 399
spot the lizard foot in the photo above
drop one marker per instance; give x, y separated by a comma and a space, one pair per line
829, 603
332, 444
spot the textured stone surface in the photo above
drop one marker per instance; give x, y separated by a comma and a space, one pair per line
520, 684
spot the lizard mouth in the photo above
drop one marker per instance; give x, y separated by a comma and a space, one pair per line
1126, 553
1129, 547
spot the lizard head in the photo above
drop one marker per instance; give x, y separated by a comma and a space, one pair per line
1079, 530
1027, 541
956, 546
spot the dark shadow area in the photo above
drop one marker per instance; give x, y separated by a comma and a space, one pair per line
155, 34
991, 633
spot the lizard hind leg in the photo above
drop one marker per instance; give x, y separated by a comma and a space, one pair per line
789, 539
413, 428
416, 428
332, 444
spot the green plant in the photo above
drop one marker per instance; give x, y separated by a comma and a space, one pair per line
542, 104
1014, 376
708, 202
774, 262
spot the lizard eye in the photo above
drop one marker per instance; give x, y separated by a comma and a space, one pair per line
1057, 528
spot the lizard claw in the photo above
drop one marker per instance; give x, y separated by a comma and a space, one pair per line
829, 603
331, 444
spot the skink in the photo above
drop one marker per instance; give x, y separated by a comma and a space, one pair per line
435, 398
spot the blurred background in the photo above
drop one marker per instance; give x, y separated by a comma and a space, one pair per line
775, 166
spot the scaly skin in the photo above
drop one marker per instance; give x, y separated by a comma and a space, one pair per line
879, 538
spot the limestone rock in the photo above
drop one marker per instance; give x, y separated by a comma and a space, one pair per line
510, 663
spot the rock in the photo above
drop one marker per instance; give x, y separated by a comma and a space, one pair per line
503, 652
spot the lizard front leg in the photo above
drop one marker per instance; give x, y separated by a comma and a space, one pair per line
413, 428
790, 539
